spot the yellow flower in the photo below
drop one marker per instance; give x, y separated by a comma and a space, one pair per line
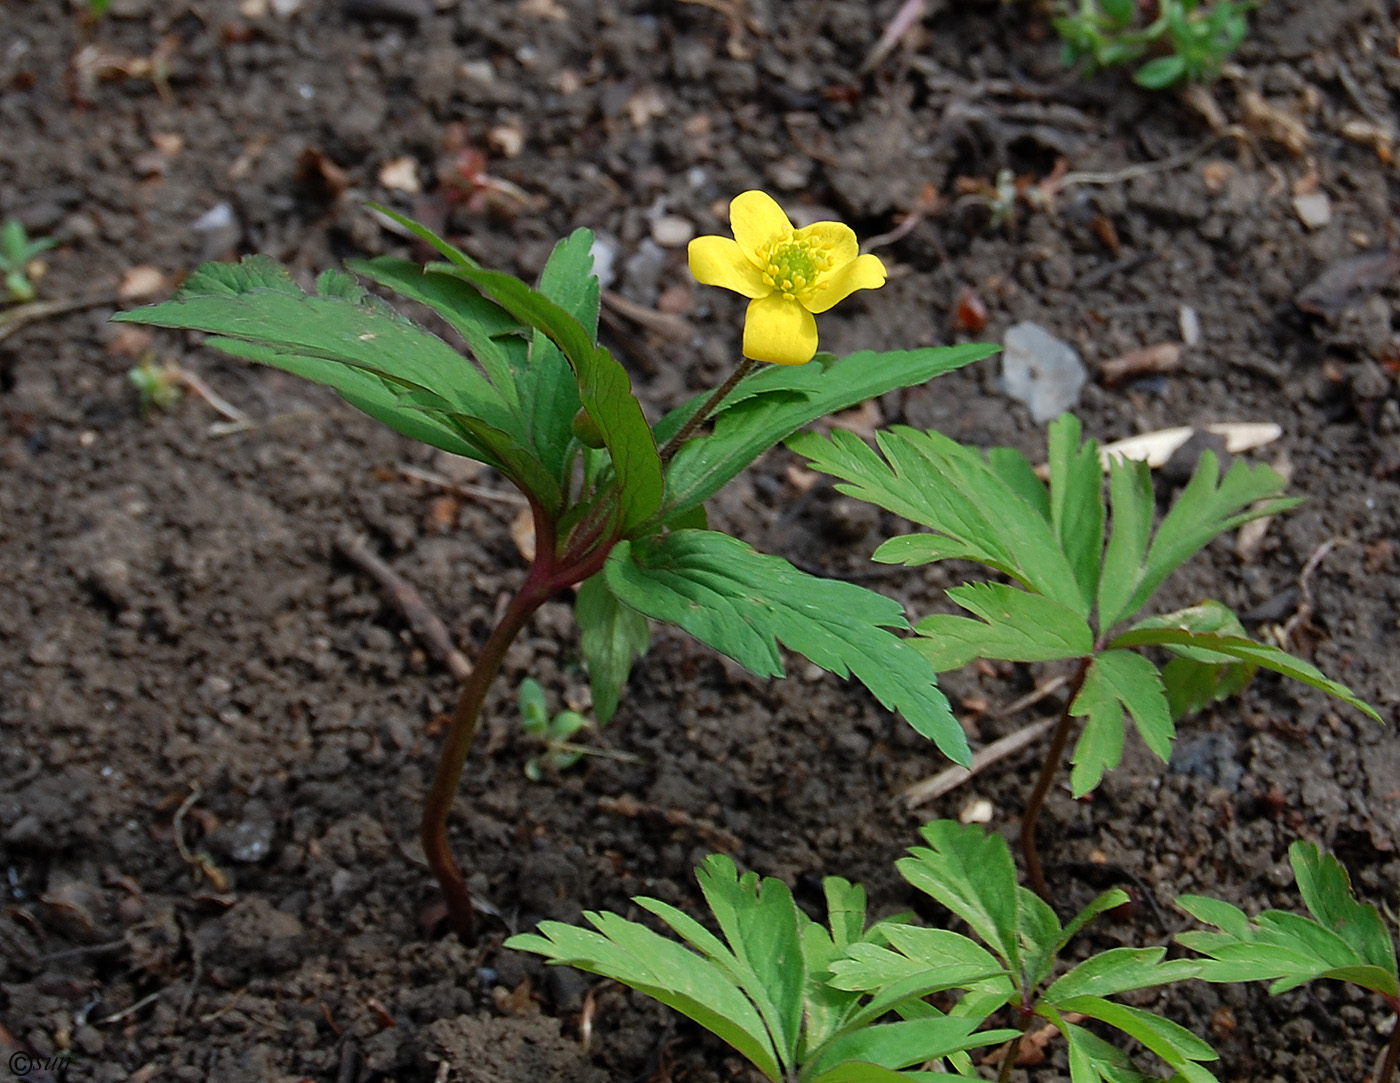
787, 273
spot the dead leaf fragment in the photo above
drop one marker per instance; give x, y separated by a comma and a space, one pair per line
1155, 448
522, 532
1135, 364
401, 175
1274, 123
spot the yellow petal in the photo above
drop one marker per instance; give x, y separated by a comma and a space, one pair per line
756, 220
718, 261
864, 273
779, 330
838, 238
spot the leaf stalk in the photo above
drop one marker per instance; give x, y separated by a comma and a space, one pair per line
1049, 768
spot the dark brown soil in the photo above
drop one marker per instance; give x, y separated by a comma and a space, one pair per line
215, 732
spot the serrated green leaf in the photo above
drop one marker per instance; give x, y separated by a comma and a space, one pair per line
1130, 496
1247, 650
1039, 930
1117, 679
845, 910
914, 549
905, 1043
1091, 1059
1119, 970
760, 922
1230, 919
1019, 474
1076, 504
940, 955
972, 874
1206, 508
1176, 1045
1014, 624
744, 431
490, 332
634, 955
1326, 891
611, 636
743, 603
1110, 899
954, 491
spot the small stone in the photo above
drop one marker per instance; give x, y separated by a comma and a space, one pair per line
672, 231
1040, 371
1314, 209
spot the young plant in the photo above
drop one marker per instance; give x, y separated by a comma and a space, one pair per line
1345, 940
1194, 39
804, 1002
556, 734
17, 253
1070, 593
158, 384
618, 504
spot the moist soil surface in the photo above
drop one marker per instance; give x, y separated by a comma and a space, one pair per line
216, 729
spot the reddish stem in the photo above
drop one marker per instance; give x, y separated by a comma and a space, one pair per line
1049, 767
545, 578
1392, 1053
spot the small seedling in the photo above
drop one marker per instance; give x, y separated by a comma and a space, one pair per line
158, 384
555, 734
624, 521
17, 254
803, 1002
1345, 940
1193, 39
1071, 590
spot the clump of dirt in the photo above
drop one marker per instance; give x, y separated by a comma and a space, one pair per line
217, 731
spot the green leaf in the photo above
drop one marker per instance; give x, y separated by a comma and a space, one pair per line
973, 876
743, 603
1130, 495
1120, 970
1326, 891
548, 390
744, 431
1117, 679
1246, 650
1076, 504
611, 636
1091, 1059
1173, 1043
664, 970
1206, 508
603, 389
490, 332
256, 302
954, 491
760, 923
906, 1043
1162, 72
1014, 625
534, 708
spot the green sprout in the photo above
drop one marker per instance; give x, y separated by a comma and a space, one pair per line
806, 1003
624, 522
157, 384
1192, 39
1073, 587
555, 734
17, 253
1345, 940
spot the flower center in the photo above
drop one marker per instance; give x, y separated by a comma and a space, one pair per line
793, 266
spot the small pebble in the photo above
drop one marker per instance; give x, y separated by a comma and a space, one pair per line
672, 231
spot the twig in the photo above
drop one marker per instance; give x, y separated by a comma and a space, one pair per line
18, 317
909, 13
721, 838
131, 1010
197, 384
476, 492
951, 778
674, 328
1305, 607
1142, 169
425, 624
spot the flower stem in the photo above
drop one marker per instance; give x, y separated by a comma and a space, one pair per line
1392, 1054
698, 418
1049, 767
547, 576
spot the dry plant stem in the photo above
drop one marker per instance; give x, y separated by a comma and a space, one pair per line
698, 418
1048, 769
546, 577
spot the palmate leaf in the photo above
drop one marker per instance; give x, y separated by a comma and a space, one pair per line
1120, 970
611, 636
901, 1045
972, 874
1345, 939
956, 492
1117, 679
1014, 625
744, 603
1076, 503
754, 424
1176, 1045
